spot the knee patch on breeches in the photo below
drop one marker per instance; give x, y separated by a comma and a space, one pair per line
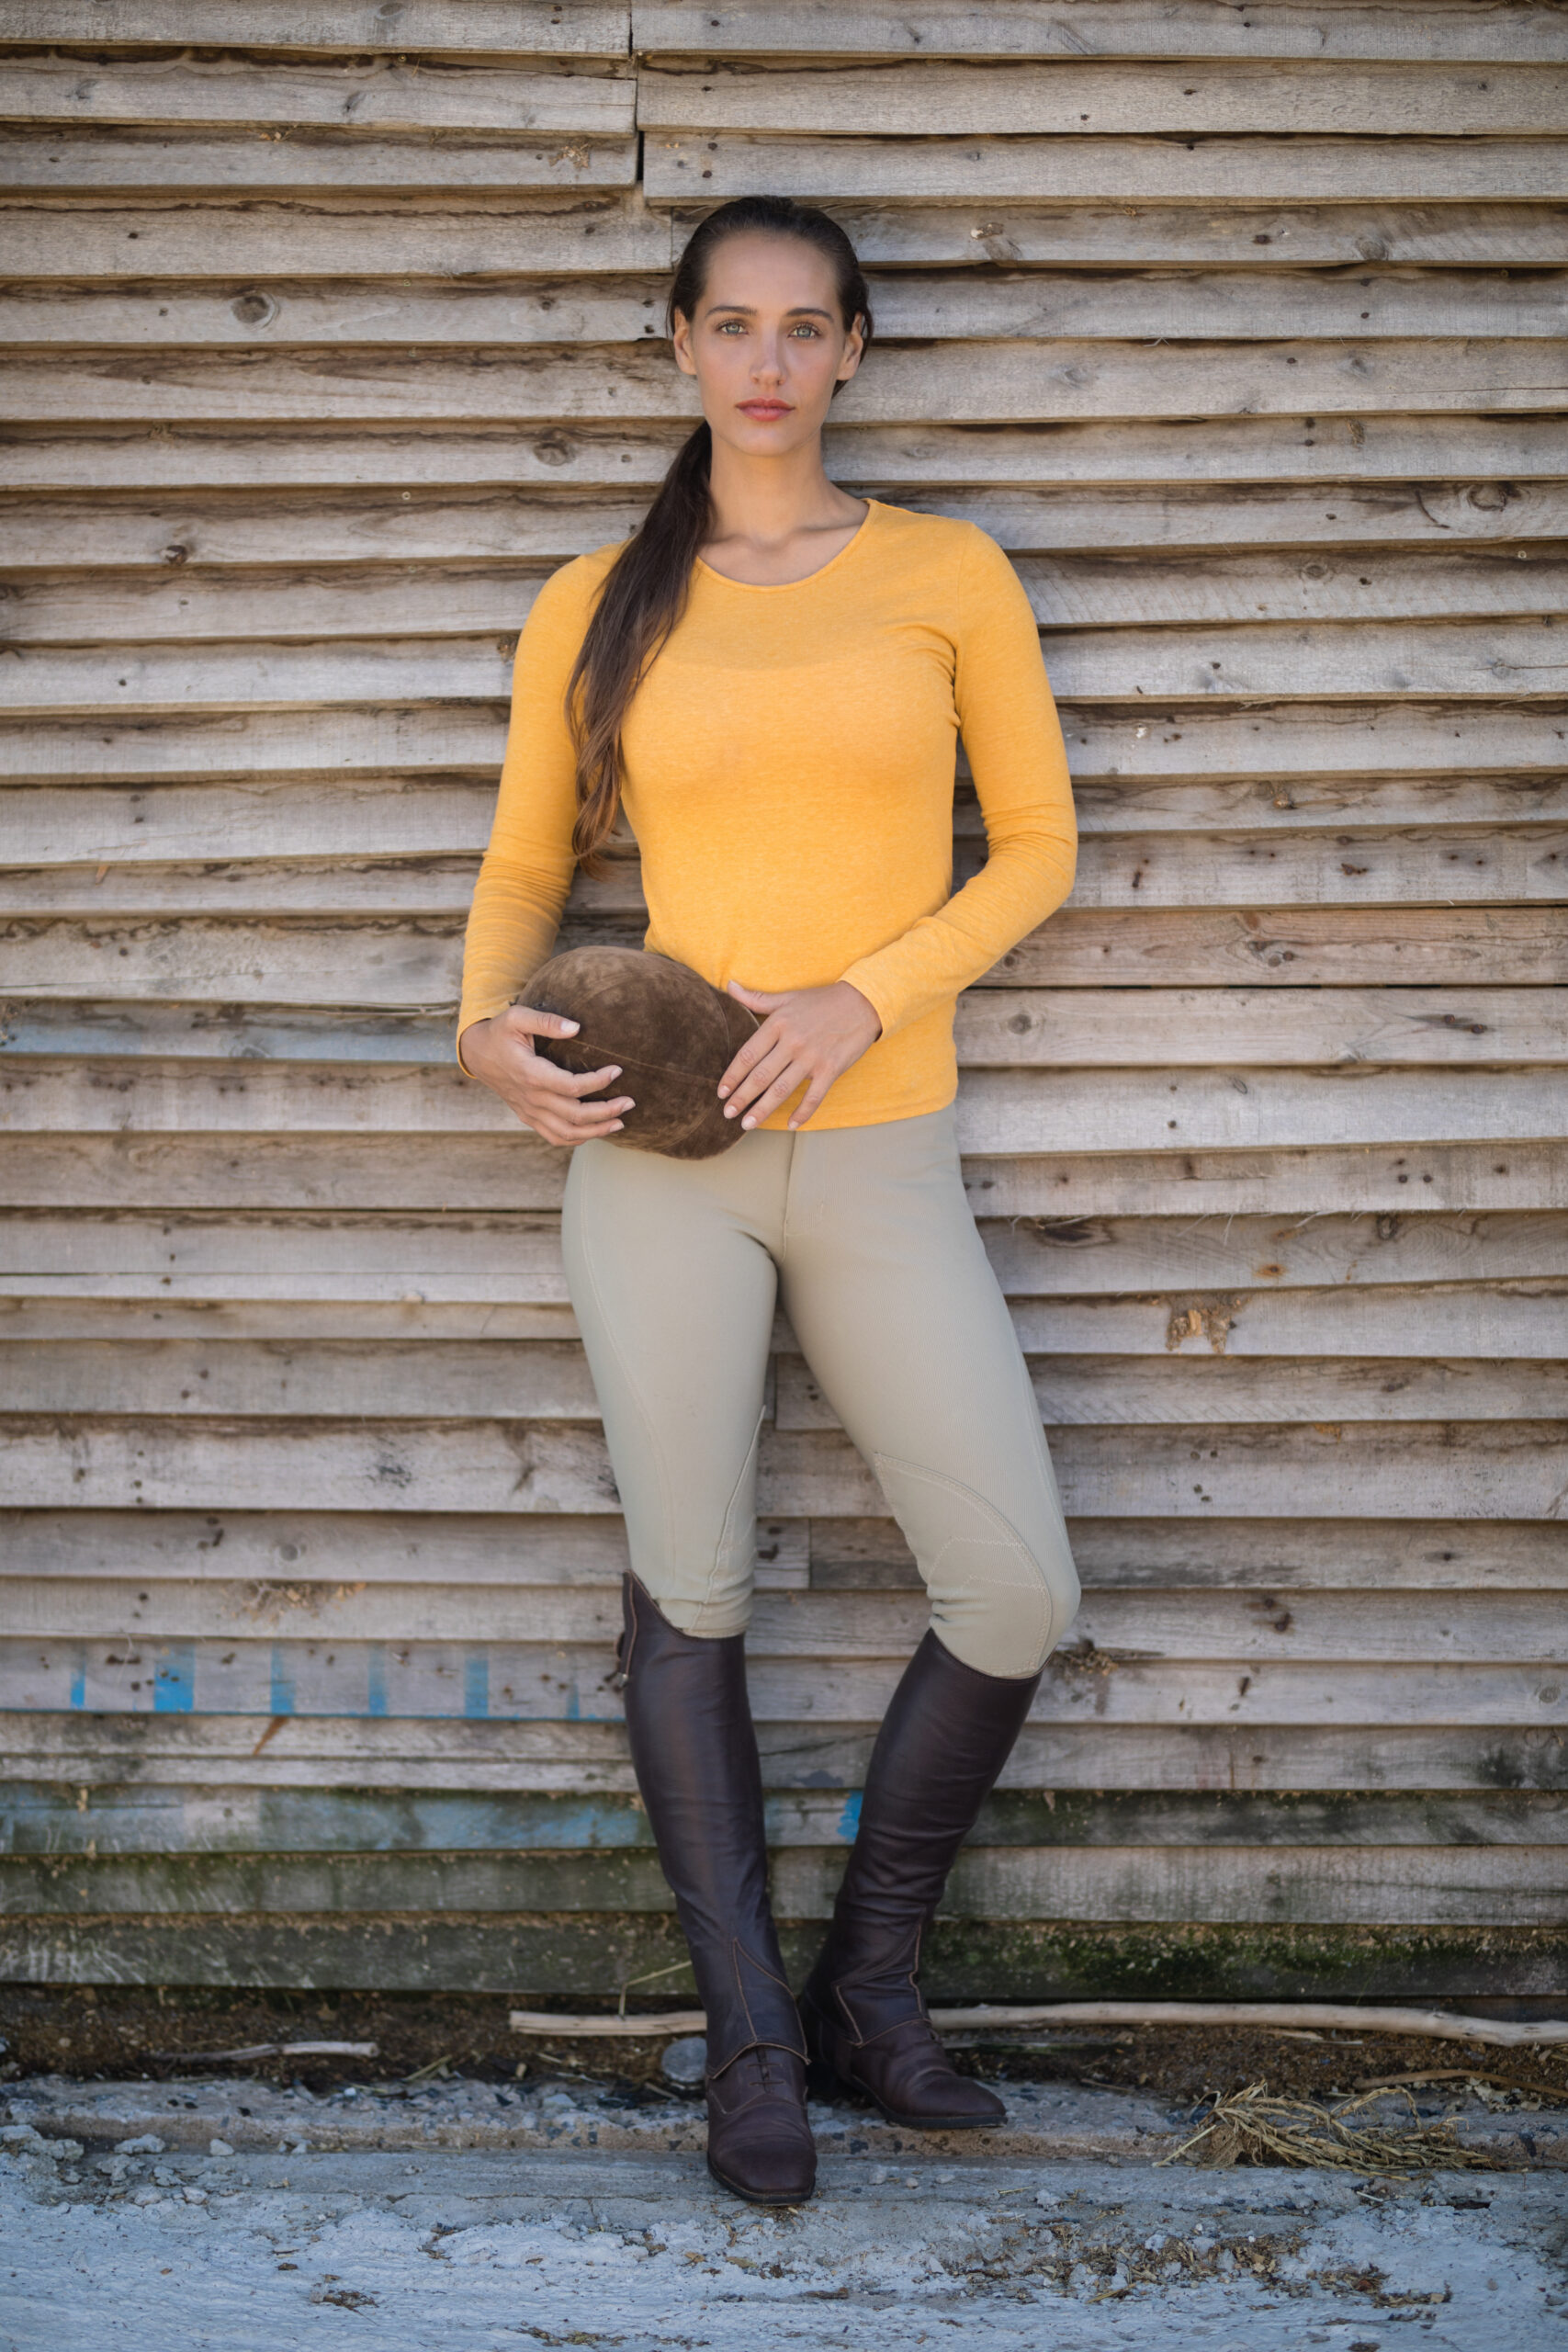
1000, 1601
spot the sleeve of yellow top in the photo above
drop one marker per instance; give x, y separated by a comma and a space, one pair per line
1019, 761
527, 869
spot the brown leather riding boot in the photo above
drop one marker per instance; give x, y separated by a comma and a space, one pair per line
945, 1737
696, 1755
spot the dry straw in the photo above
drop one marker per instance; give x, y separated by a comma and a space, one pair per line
1251, 2127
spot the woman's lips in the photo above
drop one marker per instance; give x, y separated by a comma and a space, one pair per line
764, 408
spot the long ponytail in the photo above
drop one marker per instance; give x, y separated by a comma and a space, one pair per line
646, 589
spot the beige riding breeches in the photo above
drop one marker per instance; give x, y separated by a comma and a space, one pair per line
865, 1237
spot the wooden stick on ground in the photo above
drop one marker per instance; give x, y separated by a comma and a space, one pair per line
1436, 2025
272, 2050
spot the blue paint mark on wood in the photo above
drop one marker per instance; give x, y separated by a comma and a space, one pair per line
174, 1681
79, 1677
476, 1686
281, 1691
376, 1679
849, 1820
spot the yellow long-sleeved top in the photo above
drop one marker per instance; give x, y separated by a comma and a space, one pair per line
788, 772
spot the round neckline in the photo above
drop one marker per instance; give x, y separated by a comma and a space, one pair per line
782, 587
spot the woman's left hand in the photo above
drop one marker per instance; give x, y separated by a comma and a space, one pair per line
808, 1037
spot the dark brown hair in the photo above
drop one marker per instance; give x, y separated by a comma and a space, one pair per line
645, 588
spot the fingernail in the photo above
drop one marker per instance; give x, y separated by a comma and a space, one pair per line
616, 1071
730, 1110
747, 1121
723, 1091
570, 1028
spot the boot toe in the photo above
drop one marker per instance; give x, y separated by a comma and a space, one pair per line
956, 2102
760, 2143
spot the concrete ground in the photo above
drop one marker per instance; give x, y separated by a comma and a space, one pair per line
471, 2217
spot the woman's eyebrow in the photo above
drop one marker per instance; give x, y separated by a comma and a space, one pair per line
747, 310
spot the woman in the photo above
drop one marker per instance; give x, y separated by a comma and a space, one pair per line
772, 676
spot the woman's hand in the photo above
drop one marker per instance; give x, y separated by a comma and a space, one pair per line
500, 1052
808, 1037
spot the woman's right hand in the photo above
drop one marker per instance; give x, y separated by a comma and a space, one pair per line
501, 1054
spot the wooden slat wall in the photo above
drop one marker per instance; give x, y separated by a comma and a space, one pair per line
1243, 333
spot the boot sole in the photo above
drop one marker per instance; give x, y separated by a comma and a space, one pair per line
758, 2195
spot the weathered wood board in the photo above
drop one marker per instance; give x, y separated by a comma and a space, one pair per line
1243, 334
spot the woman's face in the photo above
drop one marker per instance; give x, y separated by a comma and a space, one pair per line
767, 345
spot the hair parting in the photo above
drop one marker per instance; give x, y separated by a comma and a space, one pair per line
646, 589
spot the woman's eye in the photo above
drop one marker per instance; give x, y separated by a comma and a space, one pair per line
804, 328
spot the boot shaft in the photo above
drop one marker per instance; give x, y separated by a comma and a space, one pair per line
695, 1752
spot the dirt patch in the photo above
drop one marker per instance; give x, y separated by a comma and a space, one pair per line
153, 2032
1185, 2063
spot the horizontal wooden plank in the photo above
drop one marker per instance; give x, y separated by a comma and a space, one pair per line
1069, 591
1210, 1109
1457, 1885
1258, 234
1513, 1470
994, 382
1522, 1321
383, 1303
1219, 1109
1075, 162
1035, 305
1234, 661
1150, 1630
1240, 661
414, 961
106, 1752
1266, 874
374, 94
500, 1259
562, 1959
1319, 946
64, 158
1515, 1321
1006, 1028
1528, 1319
1247, 742
1073, 1389
1495, 462
1134, 1554
290, 1674
277, 1549
1470, 1320
505, 27
1342, 30
547, 1380
44, 1818
399, 817
351, 525
1076, 98
483, 231
561, 230
293, 1172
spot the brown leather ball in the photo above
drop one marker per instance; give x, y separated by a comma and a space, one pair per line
673, 1033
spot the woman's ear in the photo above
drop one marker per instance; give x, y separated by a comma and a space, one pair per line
681, 337
854, 353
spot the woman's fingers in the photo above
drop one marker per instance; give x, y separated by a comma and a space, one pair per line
779, 1092
773, 1056
540, 1024
813, 1099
